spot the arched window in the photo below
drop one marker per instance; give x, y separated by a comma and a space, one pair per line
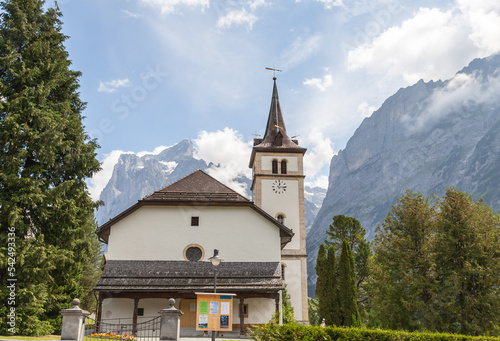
283, 167
275, 166
281, 218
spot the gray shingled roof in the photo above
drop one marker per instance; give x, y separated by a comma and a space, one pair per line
185, 276
196, 187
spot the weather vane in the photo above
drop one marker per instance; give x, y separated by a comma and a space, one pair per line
273, 70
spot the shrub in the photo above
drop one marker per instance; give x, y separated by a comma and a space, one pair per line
292, 332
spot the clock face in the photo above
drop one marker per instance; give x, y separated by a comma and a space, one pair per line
279, 186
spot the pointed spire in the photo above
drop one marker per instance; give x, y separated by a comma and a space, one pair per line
275, 136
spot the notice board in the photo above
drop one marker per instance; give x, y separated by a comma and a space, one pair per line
214, 311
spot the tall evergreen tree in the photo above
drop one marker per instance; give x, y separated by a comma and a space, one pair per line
326, 285
436, 267
349, 312
322, 282
467, 261
46, 157
350, 229
402, 275
332, 299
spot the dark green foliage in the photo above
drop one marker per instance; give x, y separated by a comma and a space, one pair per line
322, 282
467, 261
436, 267
350, 229
345, 228
46, 157
332, 300
287, 308
293, 332
402, 275
326, 286
349, 314
313, 311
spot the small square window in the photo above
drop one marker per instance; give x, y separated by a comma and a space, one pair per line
140, 311
195, 221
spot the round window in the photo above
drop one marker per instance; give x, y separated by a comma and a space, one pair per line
194, 254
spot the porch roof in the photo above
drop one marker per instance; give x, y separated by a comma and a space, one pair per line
185, 276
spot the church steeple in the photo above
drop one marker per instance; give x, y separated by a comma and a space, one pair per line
275, 136
277, 164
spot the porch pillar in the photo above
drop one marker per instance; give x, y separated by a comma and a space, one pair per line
134, 317
99, 313
277, 304
242, 317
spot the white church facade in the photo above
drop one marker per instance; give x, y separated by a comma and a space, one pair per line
159, 248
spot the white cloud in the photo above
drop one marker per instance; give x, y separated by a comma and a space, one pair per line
168, 6
236, 17
329, 4
483, 17
131, 14
319, 155
114, 84
229, 149
461, 91
320, 181
97, 183
155, 151
431, 45
365, 110
254, 4
300, 50
320, 83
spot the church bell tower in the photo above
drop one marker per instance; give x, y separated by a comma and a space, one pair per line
278, 188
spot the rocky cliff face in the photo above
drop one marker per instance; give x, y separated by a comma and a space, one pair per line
426, 137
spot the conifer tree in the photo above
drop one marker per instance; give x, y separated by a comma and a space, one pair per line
402, 275
327, 291
349, 313
332, 299
467, 258
350, 229
322, 282
46, 157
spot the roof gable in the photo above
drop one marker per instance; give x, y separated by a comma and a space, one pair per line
197, 187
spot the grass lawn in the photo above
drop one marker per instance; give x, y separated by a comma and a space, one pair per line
31, 338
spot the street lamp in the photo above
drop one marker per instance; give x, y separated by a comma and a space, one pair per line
215, 259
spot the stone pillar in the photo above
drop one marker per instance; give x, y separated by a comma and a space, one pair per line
170, 324
73, 324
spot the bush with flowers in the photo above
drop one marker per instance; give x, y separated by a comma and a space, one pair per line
111, 336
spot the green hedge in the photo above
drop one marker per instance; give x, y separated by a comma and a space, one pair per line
310, 333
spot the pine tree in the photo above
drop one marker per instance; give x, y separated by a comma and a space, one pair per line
332, 299
46, 157
349, 313
467, 258
322, 282
326, 286
402, 276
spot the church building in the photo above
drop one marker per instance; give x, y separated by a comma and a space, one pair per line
159, 247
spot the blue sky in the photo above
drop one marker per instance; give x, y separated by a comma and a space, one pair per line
156, 72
